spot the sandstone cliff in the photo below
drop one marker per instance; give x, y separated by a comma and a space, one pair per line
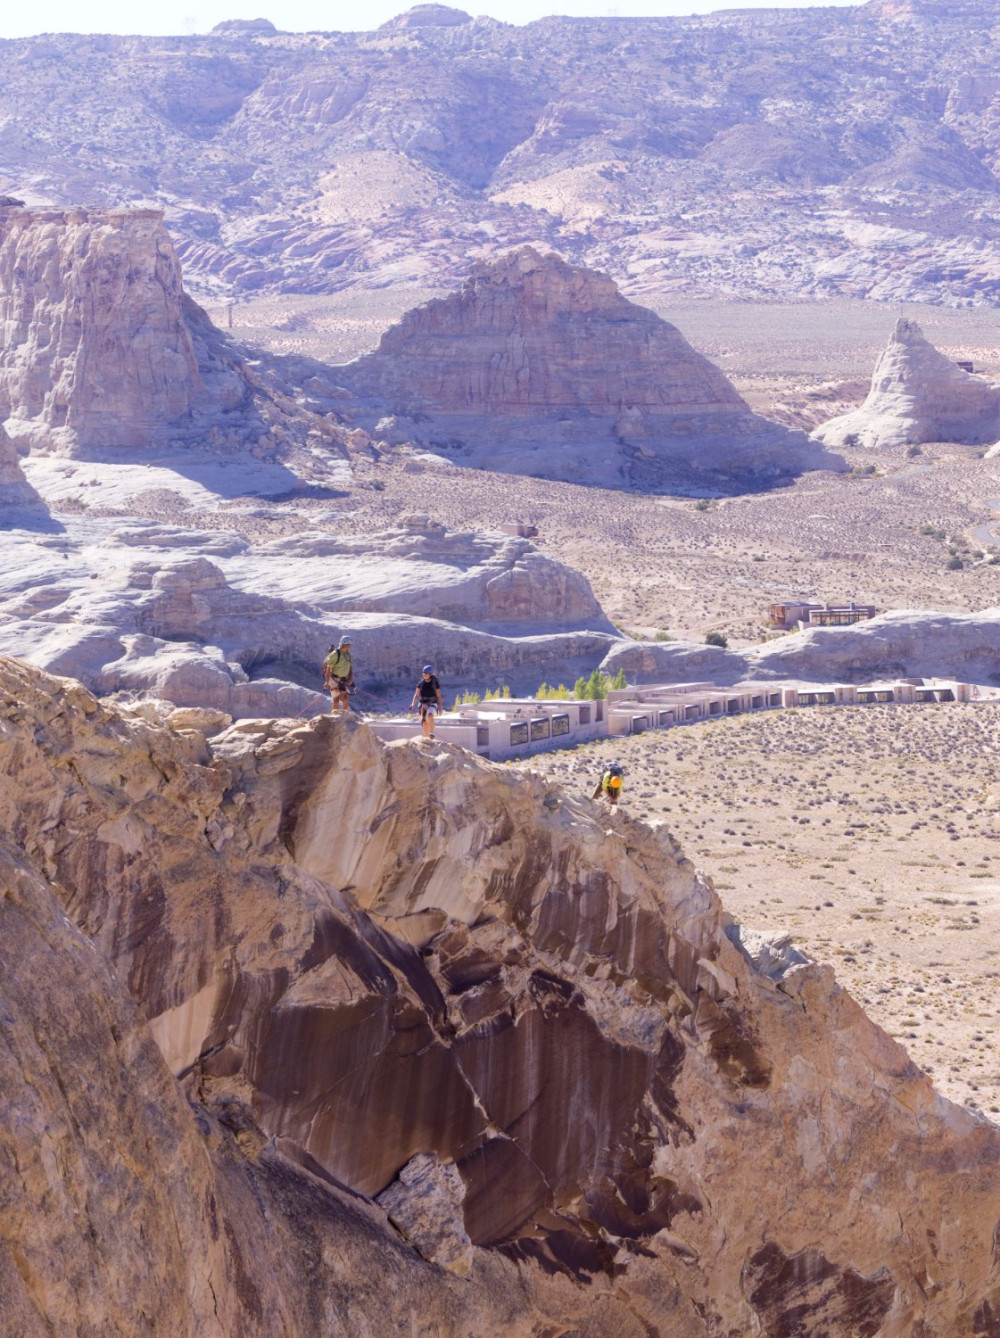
918, 395
102, 351
425, 1009
539, 368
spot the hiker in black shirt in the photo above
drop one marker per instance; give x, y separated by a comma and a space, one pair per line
428, 693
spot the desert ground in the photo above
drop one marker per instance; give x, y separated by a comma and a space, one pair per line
871, 834
664, 565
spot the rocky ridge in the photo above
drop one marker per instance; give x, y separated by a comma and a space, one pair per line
541, 368
207, 618
843, 150
900, 644
917, 395
445, 986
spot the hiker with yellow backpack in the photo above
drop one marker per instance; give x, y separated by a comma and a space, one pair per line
609, 786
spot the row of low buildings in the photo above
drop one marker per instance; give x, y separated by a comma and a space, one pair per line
511, 727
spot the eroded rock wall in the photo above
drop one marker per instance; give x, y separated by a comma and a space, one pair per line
538, 367
398, 971
101, 350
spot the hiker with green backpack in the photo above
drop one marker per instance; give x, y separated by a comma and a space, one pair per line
338, 674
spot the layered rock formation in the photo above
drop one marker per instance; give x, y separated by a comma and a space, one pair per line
399, 974
917, 395
208, 619
745, 153
536, 367
904, 643
102, 351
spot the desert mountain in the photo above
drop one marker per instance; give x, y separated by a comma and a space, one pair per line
291, 1012
758, 153
537, 367
918, 395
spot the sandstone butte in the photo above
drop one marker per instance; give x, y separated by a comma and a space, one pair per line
102, 351
539, 367
305, 1034
918, 395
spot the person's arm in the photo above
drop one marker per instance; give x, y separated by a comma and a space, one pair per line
440, 699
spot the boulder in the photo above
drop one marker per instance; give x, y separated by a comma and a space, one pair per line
538, 367
917, 395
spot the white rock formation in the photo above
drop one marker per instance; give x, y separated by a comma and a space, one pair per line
904, 643
205, 618
917, 395
15, 490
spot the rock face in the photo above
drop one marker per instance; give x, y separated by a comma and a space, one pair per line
918, 395
208, 619
397, 973
901, 644
102, 351
537, 367
15, 490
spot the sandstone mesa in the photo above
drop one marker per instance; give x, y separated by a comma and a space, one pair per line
537, 367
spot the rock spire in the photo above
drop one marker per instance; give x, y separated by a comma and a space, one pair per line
917, 395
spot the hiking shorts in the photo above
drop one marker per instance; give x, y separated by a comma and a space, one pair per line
428, 708
339, 685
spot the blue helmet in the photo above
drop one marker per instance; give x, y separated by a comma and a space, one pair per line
427, 669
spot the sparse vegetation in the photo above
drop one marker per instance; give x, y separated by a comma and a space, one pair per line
716, 639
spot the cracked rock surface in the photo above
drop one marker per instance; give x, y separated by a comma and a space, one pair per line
258, 982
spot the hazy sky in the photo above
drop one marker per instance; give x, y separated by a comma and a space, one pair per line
198, 16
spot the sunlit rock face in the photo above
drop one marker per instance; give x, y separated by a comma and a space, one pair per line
529, 1043
918, 395
15, 490
542, 368
101, 350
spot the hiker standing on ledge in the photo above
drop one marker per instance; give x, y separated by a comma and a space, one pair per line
428, 692
338, 674
609, 786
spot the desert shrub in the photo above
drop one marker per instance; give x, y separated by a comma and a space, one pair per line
861, 472
911, 451
702, 504
954, 563
662, 636
716, 639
